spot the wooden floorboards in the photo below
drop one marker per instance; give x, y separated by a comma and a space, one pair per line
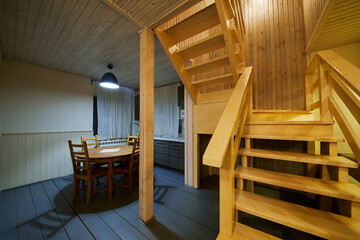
45, 211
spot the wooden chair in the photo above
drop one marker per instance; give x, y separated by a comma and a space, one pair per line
129, 167
93, 142
96, 143
131, 139
83, 170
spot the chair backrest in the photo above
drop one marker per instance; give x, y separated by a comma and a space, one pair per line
80, 159
131, 139
93, 141
134, 160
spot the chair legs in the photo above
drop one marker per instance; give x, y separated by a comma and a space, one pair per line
76, 188
89, 192
130, 182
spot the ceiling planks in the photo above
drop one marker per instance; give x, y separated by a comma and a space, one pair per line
83, 36
338, 25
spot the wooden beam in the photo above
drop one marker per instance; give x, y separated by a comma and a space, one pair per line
173, 11
178, 62
124, 13
146, 171
224, 17
189, 170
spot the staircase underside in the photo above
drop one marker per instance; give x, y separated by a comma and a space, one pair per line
339, 25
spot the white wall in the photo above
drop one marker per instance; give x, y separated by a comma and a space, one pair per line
40, 109
37, 99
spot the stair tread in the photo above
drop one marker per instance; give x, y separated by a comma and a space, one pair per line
208, 65
209, 44
212, 80
293, 138
290, 123
347, 191
299, 157
196, 23
243, 232
313, 221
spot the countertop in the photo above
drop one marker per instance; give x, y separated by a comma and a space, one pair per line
172, 139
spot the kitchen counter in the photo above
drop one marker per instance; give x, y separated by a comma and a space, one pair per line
172, 139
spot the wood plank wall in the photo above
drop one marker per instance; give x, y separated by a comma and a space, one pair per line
275, 46
32, 157
312, 12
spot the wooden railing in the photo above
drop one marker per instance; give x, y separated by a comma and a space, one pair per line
224, 145
232, 20
335, 74
236, 9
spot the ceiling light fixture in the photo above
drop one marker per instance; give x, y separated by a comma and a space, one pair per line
109, 80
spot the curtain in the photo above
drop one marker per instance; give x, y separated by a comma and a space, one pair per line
166, 119
115, 112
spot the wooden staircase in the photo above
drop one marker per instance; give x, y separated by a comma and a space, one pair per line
331, 187
207, 51
207, 47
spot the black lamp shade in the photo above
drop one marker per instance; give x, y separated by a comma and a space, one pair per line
109, 81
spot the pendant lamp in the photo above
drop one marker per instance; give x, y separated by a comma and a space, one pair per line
109, 80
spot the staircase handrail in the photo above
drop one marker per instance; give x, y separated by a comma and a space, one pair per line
229, 122
338, 75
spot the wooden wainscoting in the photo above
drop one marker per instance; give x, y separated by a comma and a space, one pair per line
31, 157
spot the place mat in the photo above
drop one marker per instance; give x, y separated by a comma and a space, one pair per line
110, 150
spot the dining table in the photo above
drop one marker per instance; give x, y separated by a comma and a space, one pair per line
110, 155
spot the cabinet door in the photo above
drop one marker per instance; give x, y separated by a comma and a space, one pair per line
161, 158
161, 152
161, 146
176, 159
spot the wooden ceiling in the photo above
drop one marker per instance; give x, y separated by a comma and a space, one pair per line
338, 25
83, 36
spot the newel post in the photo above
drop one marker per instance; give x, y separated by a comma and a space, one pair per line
227, 188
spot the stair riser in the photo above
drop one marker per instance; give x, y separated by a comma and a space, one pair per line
281, 116
290, 130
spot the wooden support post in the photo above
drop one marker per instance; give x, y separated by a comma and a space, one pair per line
311, 168
355, 210
309, 94
146, 171
226, 191
247, 162
325, 92
328, 173
189, 158
196, 161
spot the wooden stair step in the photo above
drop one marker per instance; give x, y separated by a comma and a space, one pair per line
206, 45
196, 23
281, 115
293, 138
212, 80
320, 223
299, 157
243, 232
347, 191
290, 123
208, 65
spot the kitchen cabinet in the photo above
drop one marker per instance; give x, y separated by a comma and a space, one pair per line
169, 153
